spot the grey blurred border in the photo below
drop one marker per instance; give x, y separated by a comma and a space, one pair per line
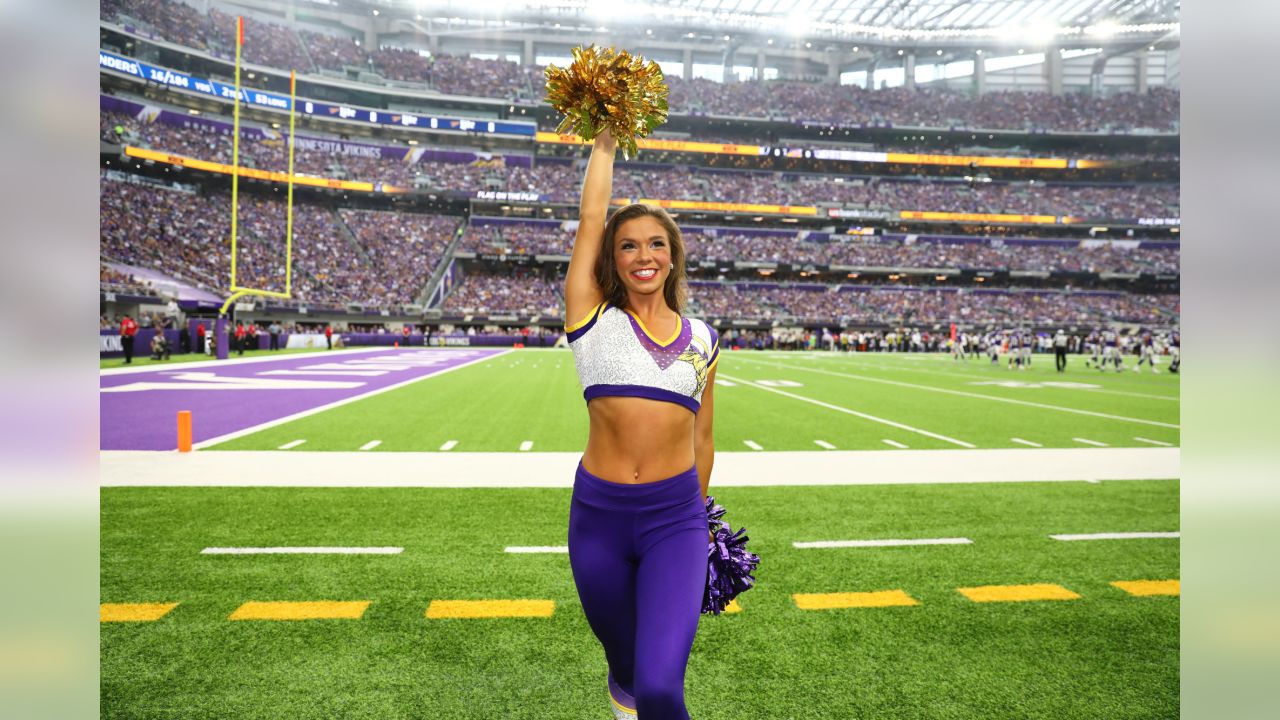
49, 434
49, 425
1230, 636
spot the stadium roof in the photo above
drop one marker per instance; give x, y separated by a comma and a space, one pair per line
871, 20
942, 14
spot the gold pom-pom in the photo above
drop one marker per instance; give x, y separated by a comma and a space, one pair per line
607, 88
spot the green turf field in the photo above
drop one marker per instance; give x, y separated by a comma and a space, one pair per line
777, 401
1106, 654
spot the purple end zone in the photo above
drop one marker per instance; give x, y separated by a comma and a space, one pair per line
138, 410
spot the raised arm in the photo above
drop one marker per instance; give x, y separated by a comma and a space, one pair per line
581, 291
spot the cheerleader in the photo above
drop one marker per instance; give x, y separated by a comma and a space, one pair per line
638, 521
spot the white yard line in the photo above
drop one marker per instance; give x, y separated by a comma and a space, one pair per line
880, 543
752, 444
1119, 536
337, 403
1157, 443
291, 445
302, 551
538, 549
824, 444
371, 445
1087, 441
895, 443
526, 446
449, 445
225, 468
1028, 443
964, 393
855, 413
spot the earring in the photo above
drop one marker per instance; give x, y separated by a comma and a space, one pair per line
673, 266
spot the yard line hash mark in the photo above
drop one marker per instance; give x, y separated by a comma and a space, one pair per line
291, 445
315, 550
879, 543
1119, 536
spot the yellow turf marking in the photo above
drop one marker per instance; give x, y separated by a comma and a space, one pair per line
1150, 587
1017, 593
732, 607
133, 612
322, 610
829, 601
489, 608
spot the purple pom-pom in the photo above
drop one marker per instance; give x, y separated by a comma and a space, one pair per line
729, 565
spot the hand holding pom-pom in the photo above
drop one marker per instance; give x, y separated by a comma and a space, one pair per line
729, 565
607, 89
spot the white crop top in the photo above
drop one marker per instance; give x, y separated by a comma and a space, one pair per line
617, 356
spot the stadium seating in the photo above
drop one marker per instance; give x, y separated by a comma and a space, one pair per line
559, 181
352, 256
295, 47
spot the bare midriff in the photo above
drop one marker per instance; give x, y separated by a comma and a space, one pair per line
638, 440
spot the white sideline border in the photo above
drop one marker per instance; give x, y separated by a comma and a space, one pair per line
225, 468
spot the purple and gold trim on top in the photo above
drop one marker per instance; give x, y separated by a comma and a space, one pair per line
682, 325
581, 327
663, 353
642, 391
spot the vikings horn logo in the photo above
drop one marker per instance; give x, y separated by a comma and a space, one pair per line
698, 359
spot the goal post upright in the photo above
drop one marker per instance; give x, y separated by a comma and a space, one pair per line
238, 291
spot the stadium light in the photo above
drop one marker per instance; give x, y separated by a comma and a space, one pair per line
1104, 29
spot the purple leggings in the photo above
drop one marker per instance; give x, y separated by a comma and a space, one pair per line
639, 559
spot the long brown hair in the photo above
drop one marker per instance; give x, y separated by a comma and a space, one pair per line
675, 291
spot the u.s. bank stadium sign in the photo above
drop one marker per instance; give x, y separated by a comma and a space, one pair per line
275, 101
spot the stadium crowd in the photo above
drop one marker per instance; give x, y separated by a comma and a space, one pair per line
560, 181
880, 305
1087, 256
483, 293
294, 47
498, 294
386, 259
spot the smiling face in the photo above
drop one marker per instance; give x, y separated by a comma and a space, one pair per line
642, 254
